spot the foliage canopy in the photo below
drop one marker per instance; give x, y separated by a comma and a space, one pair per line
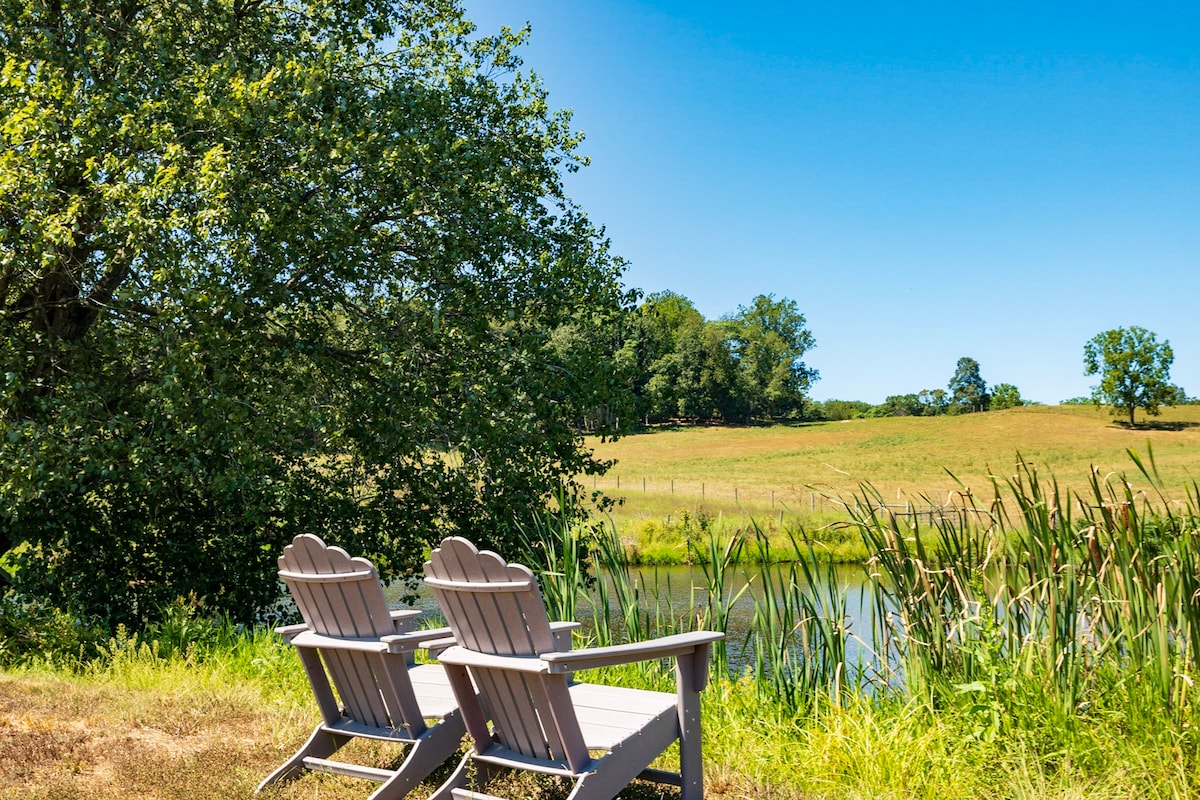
968, 389
271, 267
1134, 370
1005, 395
746, 365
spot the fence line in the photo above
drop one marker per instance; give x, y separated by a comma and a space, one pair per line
791, 500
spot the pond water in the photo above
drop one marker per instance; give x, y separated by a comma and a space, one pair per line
683, 588
679, 592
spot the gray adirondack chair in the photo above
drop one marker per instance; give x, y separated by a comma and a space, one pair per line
351, 641
601, 737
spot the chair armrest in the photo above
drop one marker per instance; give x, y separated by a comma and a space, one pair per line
317, 641
413, 640
663, 647
441, 643
394, 643
561, 631
402, 619
461, 656
289, 631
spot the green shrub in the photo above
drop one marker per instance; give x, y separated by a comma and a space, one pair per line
32, 631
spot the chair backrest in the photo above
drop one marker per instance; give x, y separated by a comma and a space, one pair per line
341, 597
495, 607
337, 595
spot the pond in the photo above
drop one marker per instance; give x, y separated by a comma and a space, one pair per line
684, 589
679, 593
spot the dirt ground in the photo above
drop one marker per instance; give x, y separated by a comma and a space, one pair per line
78, 740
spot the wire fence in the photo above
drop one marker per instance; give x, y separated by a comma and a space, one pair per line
793, 500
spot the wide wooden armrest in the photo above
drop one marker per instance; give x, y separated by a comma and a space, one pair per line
462, 657
441, 643
316, 640
662, 647
289, 631
414, 640
405, 613
561, 631
402, 619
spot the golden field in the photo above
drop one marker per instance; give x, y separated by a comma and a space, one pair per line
763, 471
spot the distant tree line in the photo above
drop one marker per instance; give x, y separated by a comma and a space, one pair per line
670, 364
1133, 366
967, 392
676, 366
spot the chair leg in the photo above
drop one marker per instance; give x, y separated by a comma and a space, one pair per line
691, 762
468, 774
426, 754
320, 744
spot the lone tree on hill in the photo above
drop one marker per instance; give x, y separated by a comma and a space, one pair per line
1134, 369
277, 267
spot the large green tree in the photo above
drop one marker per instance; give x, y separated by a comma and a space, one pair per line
1005, 395
707, 386
271, 267
968, 389
1134, 370
747, 364
769, 338
648, 356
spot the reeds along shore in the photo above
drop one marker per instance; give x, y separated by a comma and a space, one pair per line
1044, 601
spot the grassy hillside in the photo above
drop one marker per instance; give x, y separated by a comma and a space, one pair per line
763, 471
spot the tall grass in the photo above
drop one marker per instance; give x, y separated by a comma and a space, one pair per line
1043, 639
798, 630
793, 651
1035, 607
1070, 602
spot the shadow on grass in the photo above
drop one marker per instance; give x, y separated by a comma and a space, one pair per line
687, 425
1155, 425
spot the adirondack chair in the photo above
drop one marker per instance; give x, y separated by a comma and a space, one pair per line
351, 641
601, 737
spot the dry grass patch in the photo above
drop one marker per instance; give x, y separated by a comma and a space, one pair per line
83, 739
770, 469
61, 738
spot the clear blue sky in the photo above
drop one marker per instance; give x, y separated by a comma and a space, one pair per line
926, 180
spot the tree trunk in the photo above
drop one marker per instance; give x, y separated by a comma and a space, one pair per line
1131, 410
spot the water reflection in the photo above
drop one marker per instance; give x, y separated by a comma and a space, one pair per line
678, 594
683, 591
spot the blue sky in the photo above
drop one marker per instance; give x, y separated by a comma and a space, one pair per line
926, 180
